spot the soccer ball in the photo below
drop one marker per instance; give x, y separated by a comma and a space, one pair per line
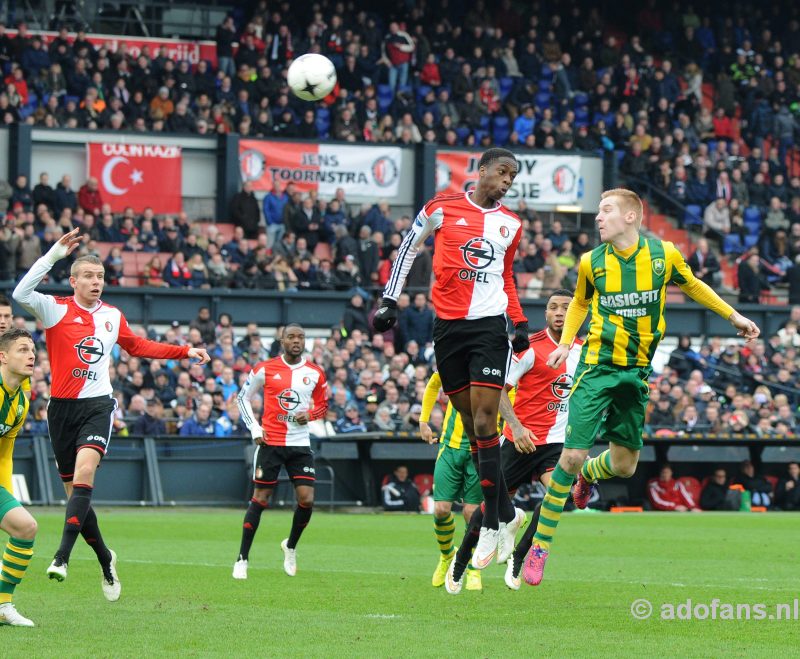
311, 77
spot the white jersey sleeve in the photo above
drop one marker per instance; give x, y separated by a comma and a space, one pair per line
424, 225
254, 383
44, 307
520, 365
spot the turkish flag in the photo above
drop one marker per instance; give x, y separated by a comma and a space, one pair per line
137, 175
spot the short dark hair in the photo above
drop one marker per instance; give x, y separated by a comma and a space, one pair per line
4, 301
8, 337
297, 325
560, 292
495, 153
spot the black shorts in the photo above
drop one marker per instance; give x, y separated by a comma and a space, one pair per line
472, 352
298, 460
76, 423
522, 468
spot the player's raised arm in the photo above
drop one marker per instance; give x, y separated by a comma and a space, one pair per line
702, 293
427, 221
44, 306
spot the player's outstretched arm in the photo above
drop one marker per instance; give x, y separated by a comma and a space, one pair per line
44, 307
200, 354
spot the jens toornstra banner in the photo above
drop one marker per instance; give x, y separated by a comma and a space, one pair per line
361, 171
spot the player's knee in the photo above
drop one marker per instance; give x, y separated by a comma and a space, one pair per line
84, 474
27, 530
572, 461
442, 508
262, 496
624, 470
306, 500
485, 424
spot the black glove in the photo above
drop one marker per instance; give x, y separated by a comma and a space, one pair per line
386, 316
521, 341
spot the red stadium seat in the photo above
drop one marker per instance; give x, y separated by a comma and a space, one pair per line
424, 483
773, 480
130, 265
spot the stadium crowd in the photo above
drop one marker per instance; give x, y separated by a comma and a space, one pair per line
699, 107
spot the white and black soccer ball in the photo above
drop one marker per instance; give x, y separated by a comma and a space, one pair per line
312, 77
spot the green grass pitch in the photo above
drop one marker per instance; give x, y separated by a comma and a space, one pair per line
363, 589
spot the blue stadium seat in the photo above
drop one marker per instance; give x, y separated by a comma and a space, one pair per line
732, 244
422, 91
506, 85
501, 129
66, 99
480, 133
385, 98
545, 85
580, 100
582, 116
463, 133
693, 216
485, 119
547, 72
752, 215
750, 241
543, 99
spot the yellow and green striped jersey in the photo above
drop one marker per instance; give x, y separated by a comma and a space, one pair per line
13, 410
627, 294
453, 434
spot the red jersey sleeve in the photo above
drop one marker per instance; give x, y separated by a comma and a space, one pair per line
514, 307
319, 398
139, 347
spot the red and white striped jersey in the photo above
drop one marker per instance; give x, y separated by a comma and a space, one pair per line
288, 389
474, 250
541, 403
80, 340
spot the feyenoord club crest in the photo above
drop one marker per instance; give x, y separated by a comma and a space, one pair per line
109, 326
306, 380
504, 231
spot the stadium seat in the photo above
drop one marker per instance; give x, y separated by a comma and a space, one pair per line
485, 120
422, 91
130, 264
547, 72
424, 483
750, 241
580, 100
480, 134
732, 244
693, 216
581, 116
543, 99
501, 129
752, 215
773, 480
463, 133
506, 85
225, 230
545, 85
385, 97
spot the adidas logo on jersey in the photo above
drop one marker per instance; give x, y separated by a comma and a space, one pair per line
277, 376
462, 222
77, 319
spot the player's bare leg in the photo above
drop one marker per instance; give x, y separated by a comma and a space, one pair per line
302, 515
21, 528
258, 504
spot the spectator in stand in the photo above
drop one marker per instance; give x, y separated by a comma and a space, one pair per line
400, 493
416, 322
668, 493
21, 196
176, 273
717, 495
759, 487
244, 211
704, 264
89, 197
65, 196
351, 422
398, 47
274, 203
151, 423
717, 220
751, 281
199, 424
787, 492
